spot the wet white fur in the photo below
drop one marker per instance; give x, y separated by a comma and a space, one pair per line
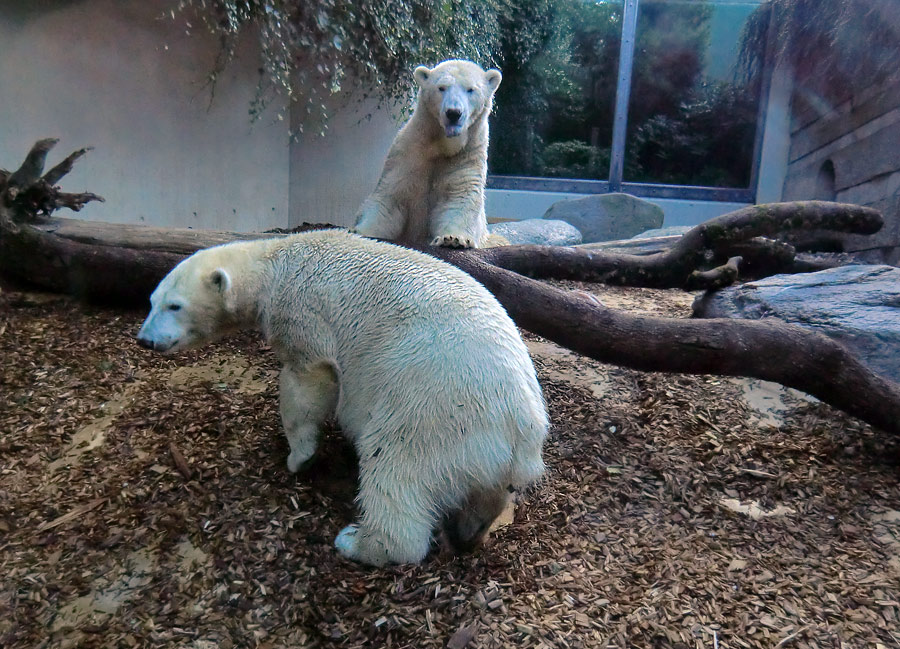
426, 373
432, 186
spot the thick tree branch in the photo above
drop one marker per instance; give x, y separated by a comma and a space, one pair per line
716, 278
694, 250
769, 349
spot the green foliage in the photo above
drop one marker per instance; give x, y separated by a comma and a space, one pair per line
312, 49
573, 159
547, 93
555, 113
705, 142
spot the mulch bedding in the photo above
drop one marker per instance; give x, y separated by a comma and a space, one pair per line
181, 527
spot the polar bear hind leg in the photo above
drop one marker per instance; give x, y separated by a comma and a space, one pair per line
467, 526
307, 398
397, 517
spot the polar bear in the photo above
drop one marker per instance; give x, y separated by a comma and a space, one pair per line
425, 372
431, 189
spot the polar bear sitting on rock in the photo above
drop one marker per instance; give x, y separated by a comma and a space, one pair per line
431, 189
425, 372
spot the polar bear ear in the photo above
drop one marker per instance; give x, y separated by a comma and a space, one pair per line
221, 280
421, 75
492, 78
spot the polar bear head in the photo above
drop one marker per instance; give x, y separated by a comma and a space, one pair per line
458, 93
194, 304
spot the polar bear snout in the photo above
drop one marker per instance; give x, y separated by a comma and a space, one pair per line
154, 344
146, 343
160, 332
455, 111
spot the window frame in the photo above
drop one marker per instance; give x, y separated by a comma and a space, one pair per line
616, 182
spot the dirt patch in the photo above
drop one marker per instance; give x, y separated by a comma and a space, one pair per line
93, 434
223, 372
144, 503
770, 401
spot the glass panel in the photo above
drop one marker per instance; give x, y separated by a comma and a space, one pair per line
691, 120
554, 113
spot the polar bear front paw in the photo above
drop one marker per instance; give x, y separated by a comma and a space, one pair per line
346, 541
453, 241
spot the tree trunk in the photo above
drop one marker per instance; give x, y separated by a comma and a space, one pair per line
124, 263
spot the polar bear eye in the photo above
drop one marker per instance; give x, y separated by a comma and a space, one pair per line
174, 307
442, 88
470, 90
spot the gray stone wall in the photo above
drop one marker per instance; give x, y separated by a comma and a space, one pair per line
850, 152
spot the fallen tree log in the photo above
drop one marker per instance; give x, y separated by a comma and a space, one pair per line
124, 263
710, 243
765, 349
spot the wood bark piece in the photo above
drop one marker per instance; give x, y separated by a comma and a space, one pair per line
72, 515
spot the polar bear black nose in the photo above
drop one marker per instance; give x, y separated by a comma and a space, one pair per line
146, 343
453, 115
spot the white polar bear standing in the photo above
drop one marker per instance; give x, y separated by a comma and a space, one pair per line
424, 370
431, 189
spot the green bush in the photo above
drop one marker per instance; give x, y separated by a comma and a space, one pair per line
574, 159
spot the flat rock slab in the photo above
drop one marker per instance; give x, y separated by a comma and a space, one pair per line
858, 306
541, 232
607, 217
675, 230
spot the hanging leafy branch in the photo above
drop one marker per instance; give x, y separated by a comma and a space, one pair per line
313, 49
325, 47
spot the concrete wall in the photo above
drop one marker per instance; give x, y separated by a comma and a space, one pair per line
850, 152
776, 141
331, 173
116, 76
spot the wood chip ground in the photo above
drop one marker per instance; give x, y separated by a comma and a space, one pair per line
145, 507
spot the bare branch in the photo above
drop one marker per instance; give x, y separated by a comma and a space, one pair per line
30, 171
54, 175
716, 278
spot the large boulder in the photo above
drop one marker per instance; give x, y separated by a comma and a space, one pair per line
607, 217
858, 306
537, 231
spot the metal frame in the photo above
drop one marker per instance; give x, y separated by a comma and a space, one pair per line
615, 183
623, 95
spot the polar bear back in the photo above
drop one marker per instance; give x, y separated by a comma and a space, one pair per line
411, 337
